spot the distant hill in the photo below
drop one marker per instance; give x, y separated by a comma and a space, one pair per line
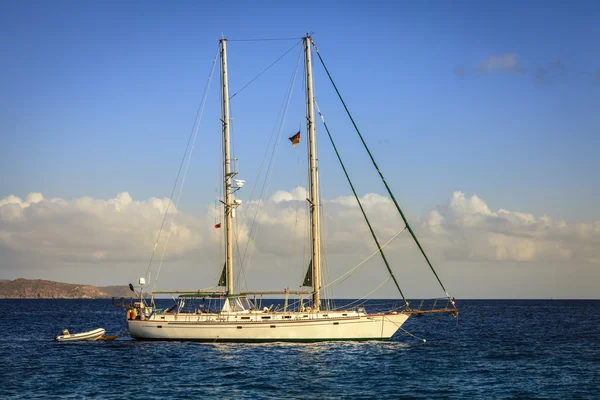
41, 289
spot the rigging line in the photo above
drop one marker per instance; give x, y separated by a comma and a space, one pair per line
193, 144
407, 332
293, 304
236, 234
265, 70
260, 171
307, 241
232, 158
308, 206
362, 210
241, 270
258, 176
290, 271
365, 296
347, 273
276, 148
273, 154
262, 39
305, 236
381, 174
236, 220
181, 165
328, 294
296, 215
218, 209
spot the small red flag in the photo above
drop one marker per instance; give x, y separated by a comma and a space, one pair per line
295, 139
218, 225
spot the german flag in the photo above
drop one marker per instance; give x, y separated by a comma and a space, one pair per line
295, 139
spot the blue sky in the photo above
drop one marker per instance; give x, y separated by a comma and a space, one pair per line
497, 99
98, 97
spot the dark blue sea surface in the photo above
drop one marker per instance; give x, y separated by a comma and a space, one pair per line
500, 349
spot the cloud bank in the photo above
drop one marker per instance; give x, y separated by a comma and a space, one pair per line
88, 230
467, 229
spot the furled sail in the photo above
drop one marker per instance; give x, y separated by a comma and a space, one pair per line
308, 278
223, 278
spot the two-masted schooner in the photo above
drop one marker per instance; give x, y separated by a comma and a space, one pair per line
238, 319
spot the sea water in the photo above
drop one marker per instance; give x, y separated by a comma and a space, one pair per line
499, 349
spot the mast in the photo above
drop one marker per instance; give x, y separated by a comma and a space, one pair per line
227, 174
313, 174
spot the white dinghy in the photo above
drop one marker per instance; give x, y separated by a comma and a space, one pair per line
90, 335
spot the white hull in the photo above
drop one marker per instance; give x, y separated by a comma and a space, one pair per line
91, 335
299, 327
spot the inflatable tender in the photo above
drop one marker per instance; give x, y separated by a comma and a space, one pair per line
90, 335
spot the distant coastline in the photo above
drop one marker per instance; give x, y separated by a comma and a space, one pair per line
42, 289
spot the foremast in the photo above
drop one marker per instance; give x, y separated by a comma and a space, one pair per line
227, 173
313, 174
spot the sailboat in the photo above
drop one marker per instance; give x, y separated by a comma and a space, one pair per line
238, 318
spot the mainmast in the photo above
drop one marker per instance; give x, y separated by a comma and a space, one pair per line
227, 173
313, 177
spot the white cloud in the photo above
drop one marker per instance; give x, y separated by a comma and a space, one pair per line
281, 222
470, 230
435, 222
87, 231
298, 193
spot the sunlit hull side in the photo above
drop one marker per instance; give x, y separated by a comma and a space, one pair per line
231, 328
